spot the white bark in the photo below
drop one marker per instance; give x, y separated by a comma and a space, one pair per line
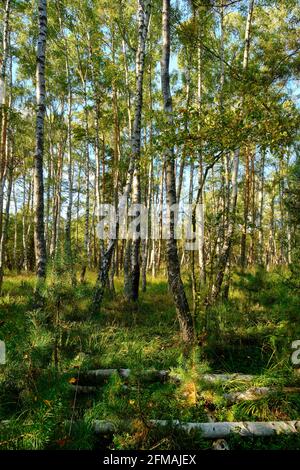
256, 393
173, 264
143, 18
102, 278
166, 375
226, 248
5, 44
4, 124
40, 245
211, 430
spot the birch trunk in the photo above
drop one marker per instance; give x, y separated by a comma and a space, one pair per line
143, 19
224, 257
86, 261
144, 11
39, 236
225, 253
173, 266
4, 123
68, 224
200, 169
4, 233
246, 210
261, 208
210, 430
184, 151
161, 200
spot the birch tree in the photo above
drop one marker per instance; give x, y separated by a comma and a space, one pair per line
173, 264
133, 170
226, 248
39, 236
4, 136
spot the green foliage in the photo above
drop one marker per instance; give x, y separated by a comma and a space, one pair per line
250, 333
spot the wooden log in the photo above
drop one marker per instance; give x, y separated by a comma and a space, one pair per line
87, 389
83, 389
256, 393
226, 377
219, 430
218, 444
102, 374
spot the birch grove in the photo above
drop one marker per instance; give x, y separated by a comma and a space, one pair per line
148, 104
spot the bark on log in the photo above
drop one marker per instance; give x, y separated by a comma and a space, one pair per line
83, 389
211, 430
101, 374
256, 393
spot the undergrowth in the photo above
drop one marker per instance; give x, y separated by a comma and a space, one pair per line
49, 348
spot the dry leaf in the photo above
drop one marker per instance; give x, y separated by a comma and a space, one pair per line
72, 380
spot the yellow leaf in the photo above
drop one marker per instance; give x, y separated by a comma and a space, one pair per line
72, 380
47, 402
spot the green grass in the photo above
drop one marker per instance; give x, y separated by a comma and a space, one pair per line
250, 333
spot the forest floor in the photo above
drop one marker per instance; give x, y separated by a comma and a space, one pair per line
49, 349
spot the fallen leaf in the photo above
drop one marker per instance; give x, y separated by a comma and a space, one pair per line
72, 380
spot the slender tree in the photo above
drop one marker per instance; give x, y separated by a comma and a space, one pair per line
39, 236
174, 276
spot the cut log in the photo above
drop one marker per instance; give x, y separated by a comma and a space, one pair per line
218, 444
83, 389
163, 375
86, 389
226, 377
256, 393
218, 430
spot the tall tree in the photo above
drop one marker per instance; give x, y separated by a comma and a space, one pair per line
4, 165
227, 244
174, 275
39, 235
133, 169
143, 22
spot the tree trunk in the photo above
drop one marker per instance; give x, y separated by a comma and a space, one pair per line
86, 261
174, 276
246, 209
40, 245
261, 207
209, 430
200, 169
225, 253
224, 256
144, 14
4, 123
5, 222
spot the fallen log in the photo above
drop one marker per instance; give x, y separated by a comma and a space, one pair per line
163, 375
83, 389
252, 394
87, 389
218, 444
219, 430
256, 393
226, 377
